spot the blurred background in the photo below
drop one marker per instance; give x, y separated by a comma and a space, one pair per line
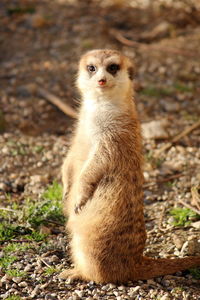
41, 42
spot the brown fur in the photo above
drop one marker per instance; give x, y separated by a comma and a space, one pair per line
103, 197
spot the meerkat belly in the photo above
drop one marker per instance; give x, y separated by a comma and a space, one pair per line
100, 231
100, 254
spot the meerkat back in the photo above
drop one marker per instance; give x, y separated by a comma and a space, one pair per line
102, 178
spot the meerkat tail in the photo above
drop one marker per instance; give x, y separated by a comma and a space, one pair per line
151, 268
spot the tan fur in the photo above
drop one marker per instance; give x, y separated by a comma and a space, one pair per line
102, 178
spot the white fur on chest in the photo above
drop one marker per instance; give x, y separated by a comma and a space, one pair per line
91, 107
94, 114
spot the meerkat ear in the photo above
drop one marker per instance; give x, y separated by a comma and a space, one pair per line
131, 73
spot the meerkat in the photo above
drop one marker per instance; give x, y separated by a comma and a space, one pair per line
103, 178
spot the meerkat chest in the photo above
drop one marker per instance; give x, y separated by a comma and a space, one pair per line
96, 117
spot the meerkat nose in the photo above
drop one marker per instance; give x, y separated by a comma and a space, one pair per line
102, 81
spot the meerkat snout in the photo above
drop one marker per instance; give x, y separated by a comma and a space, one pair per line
102, 82
100, 77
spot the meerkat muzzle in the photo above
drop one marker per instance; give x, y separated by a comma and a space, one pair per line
102, 82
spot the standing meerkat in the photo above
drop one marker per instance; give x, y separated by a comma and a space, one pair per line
102, 178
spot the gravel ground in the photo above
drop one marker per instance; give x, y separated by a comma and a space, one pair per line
44, 47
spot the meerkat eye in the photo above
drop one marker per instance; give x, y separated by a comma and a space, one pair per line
91, 68
113, 68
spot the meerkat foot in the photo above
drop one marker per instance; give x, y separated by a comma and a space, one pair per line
70, 274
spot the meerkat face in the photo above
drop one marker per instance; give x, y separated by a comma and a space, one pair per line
105, 72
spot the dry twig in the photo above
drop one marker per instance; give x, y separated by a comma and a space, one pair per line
7, 209
44, 262
120, 38
190, 207
148, 47
195, 197
148, 184
41, 92
185, 132
68, 110
19, 241
161, 219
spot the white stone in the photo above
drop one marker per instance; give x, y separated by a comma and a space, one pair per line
155, 129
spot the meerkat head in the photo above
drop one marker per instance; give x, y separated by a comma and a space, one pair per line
105, 73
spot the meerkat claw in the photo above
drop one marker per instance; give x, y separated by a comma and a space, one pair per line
76, 209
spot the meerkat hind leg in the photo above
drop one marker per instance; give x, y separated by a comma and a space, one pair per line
70, 274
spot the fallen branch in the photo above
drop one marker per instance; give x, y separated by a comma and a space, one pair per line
148, 47
7, 209
120, 38
195, 197
68, 110
189, 206
148, 184
44, 262
19, 241
161, 219
41, 92
178, 137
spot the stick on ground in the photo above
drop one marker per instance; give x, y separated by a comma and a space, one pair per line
172, 177
41, 92
68, 110
190, 207
195, 197
148, 47
178, 137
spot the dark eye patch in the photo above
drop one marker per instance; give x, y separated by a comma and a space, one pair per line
113, 68
91, 68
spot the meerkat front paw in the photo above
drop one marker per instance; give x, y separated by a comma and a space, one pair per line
65, 196
85, 192
80, 204
78, 208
